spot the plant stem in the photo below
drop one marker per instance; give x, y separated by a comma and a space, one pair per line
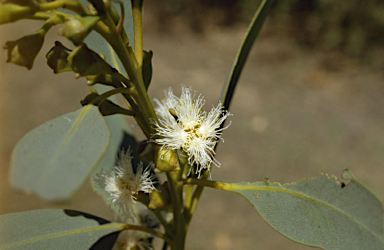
180, 229
188, 189
196, 197
110, 93
128, 60
137, 13
208, 183
148, 230
120, 24
74, 6
163, 222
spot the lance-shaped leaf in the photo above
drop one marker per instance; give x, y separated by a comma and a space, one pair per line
242, 54
319, 211
57, 58
54, 159
55, 229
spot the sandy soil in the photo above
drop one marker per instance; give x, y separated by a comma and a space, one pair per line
296, 113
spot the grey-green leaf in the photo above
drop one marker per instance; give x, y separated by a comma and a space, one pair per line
319, 211
54, 159
53, 229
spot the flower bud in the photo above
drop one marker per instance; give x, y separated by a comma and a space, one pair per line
160, 197
12, 12
167, 160
105, 79
24, 51
87, 62
99, 5
57, 58
76, 28
106, 107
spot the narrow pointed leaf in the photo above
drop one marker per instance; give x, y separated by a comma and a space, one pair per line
54, 159
319, 211
54, 229
242, 54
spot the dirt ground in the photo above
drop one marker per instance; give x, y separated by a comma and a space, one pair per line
297, 112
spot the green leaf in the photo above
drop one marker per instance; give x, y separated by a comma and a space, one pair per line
319, 211
54, 159
242, 54
53, 229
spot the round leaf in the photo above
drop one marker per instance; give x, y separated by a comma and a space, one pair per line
319, 211
53, 229
54, 159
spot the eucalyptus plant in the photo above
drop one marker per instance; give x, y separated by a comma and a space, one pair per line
94, 142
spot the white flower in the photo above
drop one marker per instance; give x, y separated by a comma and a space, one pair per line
122, 184
183, 125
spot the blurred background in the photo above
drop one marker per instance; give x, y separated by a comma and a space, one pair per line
310, 100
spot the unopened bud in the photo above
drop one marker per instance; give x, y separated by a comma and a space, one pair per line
167, 160
106, 107
99, 5
105, 79
12, 12
76, 28
160, 197
57, 58
24, 51
87, 62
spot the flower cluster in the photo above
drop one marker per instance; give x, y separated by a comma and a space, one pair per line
122, 184
183, 125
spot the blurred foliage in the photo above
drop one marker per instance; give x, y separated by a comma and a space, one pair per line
199, 13
348, 26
